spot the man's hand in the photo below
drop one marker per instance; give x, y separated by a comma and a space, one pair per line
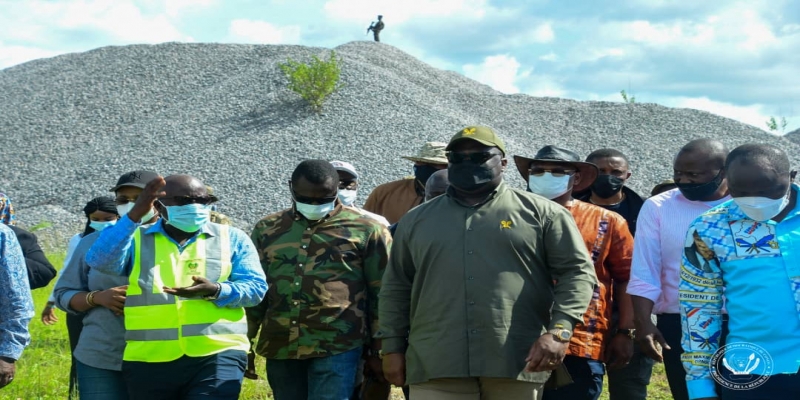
200, 287
147, 198
545, 355
394, 368
651, 340
7, 371
112, 299
374, 367
619, 351
49, 315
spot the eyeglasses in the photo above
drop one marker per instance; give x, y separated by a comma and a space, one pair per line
556, 172
122, 200
475, 158
185, 200
348, 185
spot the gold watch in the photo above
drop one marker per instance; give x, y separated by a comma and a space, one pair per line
561, 335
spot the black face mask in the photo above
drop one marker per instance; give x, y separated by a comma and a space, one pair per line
423, 172
699, 191
470, 177
606, 186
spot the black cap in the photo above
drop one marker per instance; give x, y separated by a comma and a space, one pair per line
135, 179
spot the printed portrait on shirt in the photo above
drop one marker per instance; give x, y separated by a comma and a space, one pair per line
698, 253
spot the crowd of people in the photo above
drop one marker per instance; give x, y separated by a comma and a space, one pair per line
450, 284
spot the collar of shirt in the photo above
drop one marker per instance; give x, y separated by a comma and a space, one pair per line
496, 193
158, 227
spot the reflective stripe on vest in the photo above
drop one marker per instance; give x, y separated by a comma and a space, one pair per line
162, 327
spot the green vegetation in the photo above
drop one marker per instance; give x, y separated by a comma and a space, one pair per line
43, 371
774, 126
625, 98
315, 81
40, 226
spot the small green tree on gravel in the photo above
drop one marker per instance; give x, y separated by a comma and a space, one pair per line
314, 81
774, 126
625, 98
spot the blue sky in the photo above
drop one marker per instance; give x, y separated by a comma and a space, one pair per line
738, 59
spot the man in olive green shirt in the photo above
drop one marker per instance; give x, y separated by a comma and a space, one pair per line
468, 298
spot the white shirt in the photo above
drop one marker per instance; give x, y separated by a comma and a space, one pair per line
658, 247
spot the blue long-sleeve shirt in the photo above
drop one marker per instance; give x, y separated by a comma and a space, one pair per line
16, 303
112, 253
758, 264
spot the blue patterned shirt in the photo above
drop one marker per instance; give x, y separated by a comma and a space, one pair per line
758, 265
16, 303
112, 253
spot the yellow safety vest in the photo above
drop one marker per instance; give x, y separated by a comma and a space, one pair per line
161, 327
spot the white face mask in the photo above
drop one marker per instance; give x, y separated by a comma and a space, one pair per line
348, 197
314, 212
762, 208
548, 185
100, 225
126, 208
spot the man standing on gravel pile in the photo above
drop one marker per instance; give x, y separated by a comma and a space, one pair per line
699, 173
469, 299
393, 200
554, 173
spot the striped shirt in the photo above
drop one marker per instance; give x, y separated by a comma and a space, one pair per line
658, 247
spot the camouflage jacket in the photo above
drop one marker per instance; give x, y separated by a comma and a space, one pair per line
324, 278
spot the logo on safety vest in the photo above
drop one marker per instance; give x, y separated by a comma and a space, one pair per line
193, 268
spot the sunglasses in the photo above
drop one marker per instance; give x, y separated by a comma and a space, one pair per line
186, 200
556, 172
475, 158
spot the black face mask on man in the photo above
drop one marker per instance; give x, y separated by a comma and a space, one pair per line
470, 176
606, 186
699, 191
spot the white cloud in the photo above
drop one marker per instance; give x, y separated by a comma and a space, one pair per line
398, 12
262, 32
544, 86
174, 8
543, 34
13, 55
500, 72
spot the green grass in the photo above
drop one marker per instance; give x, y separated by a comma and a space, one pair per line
43, 370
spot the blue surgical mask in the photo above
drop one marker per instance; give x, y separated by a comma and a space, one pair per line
100, 225
549, 186
348, 197
188, 218
314, 212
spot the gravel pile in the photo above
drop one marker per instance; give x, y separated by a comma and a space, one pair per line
72, 124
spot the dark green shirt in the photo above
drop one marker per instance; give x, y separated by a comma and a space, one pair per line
324, 278
472, 288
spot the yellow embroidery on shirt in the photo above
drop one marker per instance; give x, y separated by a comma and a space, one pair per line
469, 131
505, 224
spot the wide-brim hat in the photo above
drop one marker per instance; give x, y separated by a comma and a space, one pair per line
431, 152
553, 154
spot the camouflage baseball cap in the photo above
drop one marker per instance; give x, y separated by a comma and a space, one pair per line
481, 134
431, 152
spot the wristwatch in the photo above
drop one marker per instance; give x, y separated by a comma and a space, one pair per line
631, 333
561, 335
